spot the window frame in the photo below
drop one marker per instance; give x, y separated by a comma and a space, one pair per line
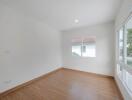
122, 74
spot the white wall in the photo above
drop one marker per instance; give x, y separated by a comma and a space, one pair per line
28, 48
122, 16
104, 62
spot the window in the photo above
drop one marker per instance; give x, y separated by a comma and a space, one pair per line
129, 81
119, 69
76, 50
121, 49
121, 45
129, 43
128, 58
84, 47
124, 66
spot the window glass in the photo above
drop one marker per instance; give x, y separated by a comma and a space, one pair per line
121, 44
89, 47
129, 42
119, 69
89, 50
76, 50
84, 47
129, 81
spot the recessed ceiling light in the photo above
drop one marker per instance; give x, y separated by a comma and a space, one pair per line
76, 21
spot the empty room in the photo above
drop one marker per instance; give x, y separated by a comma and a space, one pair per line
65, 49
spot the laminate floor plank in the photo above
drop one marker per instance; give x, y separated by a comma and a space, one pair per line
67, 84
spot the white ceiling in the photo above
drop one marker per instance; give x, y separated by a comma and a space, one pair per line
61, 14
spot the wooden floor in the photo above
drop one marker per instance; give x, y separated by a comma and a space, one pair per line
68, 85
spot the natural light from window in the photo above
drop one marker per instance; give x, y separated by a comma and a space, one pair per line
124, 66
84, 47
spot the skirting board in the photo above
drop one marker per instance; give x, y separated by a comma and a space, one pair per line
99, 75
46, 75
102, 75
28, 83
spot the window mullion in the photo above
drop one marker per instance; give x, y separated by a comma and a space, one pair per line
82, 47
125, 43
